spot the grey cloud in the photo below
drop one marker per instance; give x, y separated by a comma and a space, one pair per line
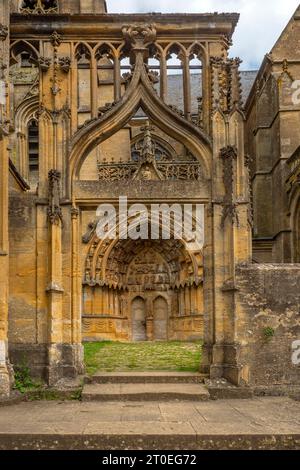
260, 24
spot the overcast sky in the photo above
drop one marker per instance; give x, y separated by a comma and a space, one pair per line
260, 24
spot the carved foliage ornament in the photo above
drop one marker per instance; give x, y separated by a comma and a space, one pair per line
3, 32
44, 63
65, 64
229, 156
54, 209
226, 83
140, 35
56, 40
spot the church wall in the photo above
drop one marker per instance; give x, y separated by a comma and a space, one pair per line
268, 303
28, 278
273, 135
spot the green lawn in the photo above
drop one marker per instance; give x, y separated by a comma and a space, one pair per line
110, 356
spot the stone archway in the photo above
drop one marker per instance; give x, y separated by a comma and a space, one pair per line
160, 319
142, 290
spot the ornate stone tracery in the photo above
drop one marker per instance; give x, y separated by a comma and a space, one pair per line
151, 160
229, 157
54, 209
39, 7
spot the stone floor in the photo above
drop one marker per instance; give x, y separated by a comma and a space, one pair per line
266, 423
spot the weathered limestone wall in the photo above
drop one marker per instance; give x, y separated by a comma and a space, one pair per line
28, 278
272, 136
5, 371
268, 300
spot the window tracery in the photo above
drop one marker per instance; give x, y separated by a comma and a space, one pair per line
39, 6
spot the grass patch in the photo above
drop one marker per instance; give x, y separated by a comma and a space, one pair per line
48, 394
171, 356
23, 379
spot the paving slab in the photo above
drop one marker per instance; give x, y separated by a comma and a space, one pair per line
152, 425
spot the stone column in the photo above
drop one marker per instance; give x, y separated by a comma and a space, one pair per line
186, 85
163, 78
54, 289
229, 228
5, 370
94, 87
117, 78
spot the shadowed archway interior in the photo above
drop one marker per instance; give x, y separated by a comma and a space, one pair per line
142, 290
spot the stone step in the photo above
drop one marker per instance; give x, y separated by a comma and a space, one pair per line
145, 378
144, 392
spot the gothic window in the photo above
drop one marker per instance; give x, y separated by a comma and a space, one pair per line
39, 6
126, 71
33, 148
154, 68
196, 84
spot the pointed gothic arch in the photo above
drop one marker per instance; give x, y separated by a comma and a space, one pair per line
20, 46
140, 93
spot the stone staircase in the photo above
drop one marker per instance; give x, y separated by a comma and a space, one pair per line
145, 386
